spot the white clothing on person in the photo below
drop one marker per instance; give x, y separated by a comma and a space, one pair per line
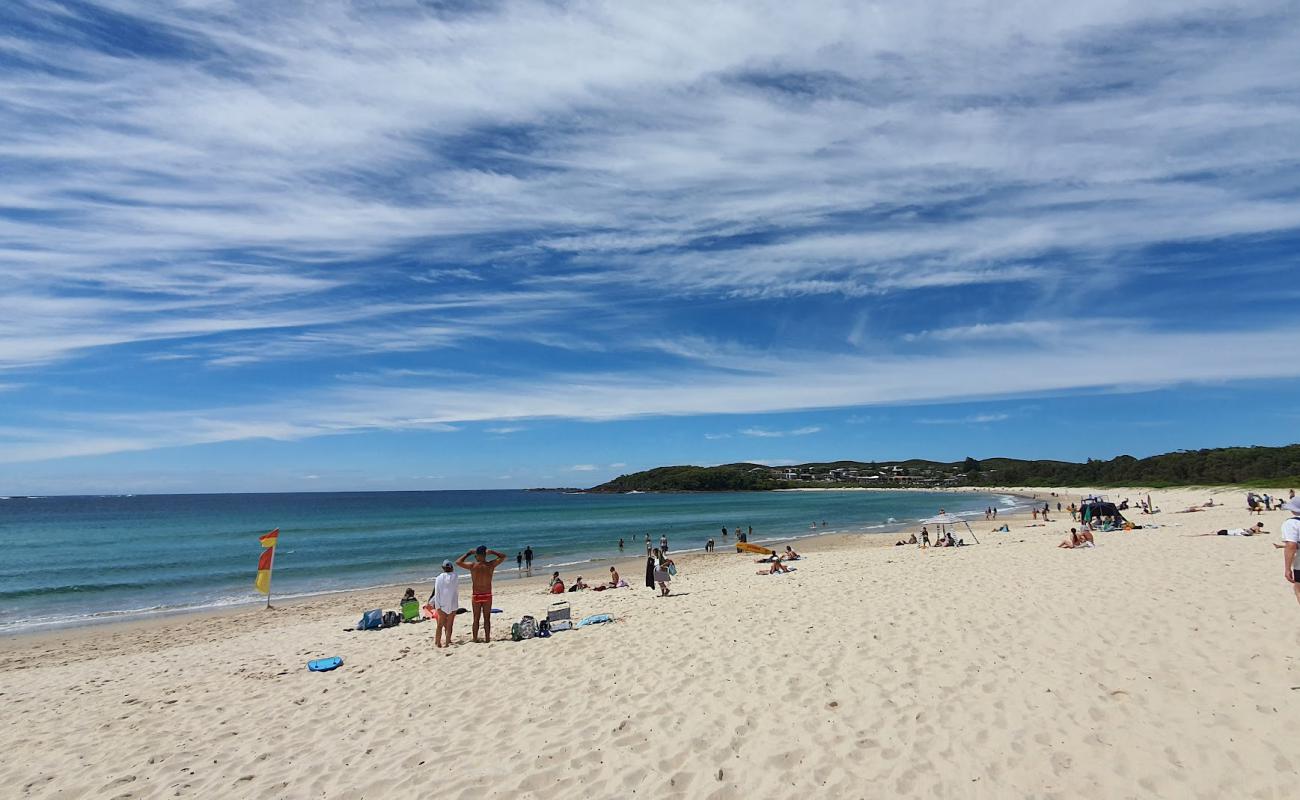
446, 593
1291, 533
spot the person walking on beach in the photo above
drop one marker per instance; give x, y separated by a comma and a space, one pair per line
663, 543
661, 574
925, 537
480, 571
446, 599
1291, 545
519, 562
708, 546
528, 561
649, 568
648, 546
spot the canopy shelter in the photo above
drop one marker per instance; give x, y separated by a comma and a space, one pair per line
1098, 509
945, 520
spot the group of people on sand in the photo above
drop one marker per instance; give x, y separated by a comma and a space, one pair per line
557, 583
942, 539
446, 594
777, 561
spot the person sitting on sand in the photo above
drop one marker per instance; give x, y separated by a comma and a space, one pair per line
613, 578
777, 566
1078, 539
557, 585
409, 597
790, 555
579, 585
912, 540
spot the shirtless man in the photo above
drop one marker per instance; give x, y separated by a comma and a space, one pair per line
480, 571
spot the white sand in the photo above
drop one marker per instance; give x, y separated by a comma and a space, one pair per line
1156, 665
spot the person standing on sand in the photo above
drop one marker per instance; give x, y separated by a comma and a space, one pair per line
1291, 545
649, 569
480, 571
528, 561
446, 599
925, 537
663, 543
661, 573
519, 562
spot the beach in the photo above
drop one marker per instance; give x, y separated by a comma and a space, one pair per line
1156, 665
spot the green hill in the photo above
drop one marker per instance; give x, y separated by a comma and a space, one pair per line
1271, 466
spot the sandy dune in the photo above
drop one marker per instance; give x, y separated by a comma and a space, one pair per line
1156, 665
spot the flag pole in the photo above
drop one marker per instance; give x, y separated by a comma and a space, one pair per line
270, 574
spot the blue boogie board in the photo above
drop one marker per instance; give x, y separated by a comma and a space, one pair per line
325, 664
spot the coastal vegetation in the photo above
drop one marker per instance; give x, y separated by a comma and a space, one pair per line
1260, 466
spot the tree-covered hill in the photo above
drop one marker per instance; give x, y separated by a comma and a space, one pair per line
1276, 466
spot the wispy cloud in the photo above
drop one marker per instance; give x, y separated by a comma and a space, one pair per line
764, 433
502, 430
392, 217
583, 468
973, 419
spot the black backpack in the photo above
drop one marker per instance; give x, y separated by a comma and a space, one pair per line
392, 619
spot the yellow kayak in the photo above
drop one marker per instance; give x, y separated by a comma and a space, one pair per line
746, 547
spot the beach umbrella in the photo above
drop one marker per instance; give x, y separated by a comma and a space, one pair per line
946, 519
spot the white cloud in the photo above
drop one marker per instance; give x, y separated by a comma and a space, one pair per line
583, 468
973, 419
506, 429
770, 434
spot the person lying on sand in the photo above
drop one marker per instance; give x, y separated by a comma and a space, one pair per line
579, 585
1253, 530
777, 566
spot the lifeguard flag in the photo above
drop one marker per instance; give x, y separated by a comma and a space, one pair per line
269, 539
263, 582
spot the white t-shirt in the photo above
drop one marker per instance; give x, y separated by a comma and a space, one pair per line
446, 593
1291, 533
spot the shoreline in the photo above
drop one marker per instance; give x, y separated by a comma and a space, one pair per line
598, 564
1008, 668
506, 578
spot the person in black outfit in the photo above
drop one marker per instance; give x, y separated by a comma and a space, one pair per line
528, 560
650, 572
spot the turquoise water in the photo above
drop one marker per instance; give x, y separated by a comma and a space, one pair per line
75, 560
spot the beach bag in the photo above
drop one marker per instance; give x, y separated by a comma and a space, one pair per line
672, 568
371, 620
543, 630
527, 628
392, 619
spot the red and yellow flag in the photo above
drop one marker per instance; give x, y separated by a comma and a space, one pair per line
263, 582
269, 539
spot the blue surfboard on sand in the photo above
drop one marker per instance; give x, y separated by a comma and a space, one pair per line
325, 664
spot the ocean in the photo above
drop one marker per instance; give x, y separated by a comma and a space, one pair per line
79, 560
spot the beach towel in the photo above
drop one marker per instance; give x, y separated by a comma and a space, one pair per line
594, 619
325, 664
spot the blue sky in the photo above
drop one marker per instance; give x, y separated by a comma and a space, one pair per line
250, 246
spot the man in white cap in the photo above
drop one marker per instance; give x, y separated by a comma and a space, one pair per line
1291, 544
446, 599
